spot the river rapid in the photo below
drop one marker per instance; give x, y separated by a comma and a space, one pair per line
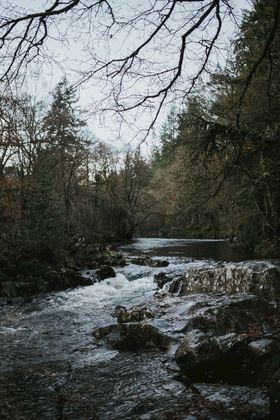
51, 367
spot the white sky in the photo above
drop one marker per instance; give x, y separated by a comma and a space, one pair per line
71, 53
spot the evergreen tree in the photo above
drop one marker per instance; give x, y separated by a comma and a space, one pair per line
66, 143
247, 106
164, 153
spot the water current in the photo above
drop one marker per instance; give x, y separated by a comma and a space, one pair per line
51, 367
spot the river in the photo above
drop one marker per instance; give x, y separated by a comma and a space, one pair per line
51, 367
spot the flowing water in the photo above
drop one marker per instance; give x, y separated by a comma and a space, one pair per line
51, 367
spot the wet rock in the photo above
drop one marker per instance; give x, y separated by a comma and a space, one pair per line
132, 336
274, 395
162, 279
134, 314
233, 402
105, 272
66, 279
132, 332
148, 261
262, 346
235, 342
102, 332
137, 336
245, 314
206, 357
234, 338
254, 277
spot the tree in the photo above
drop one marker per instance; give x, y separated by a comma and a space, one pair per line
226, 164
246, 107
66, 143
20, 141
164, 153
136, 199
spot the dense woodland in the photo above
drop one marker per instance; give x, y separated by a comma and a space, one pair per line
61, 189
220, 158
213, 173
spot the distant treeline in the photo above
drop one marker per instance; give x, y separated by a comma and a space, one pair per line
59, 184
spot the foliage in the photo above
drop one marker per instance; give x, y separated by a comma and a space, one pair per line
60, 186
225, 165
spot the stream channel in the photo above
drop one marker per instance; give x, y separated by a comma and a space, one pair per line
51, 367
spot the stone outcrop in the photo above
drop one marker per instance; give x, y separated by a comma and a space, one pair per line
102, 332
108, 258
133, 336
134, 314
161, 279
148, 261
235, 342
132, 332
140, 335
220, 323
105, 272
274, 394
254, 277
214, 338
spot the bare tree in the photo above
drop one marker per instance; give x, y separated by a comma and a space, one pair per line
140, 54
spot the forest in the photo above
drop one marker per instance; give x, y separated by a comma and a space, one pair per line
221, 154
139, 209
214, 171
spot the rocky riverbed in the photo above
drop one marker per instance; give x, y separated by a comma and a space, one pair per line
160, 340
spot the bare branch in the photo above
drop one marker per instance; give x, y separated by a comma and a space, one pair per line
175, 42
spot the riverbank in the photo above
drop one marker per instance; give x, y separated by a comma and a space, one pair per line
28, 271
135, 346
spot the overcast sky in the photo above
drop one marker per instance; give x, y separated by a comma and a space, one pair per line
70, 54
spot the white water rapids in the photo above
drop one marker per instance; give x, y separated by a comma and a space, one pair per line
51, 367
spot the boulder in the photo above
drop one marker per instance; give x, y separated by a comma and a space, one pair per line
102, 332
132, 332
140, 335
254, 277
94, 255
204, 357
148, 261
274, 395
132, 336
105, 272
134, 314
162, 279
235, 342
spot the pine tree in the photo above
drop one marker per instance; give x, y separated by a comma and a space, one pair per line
66, 143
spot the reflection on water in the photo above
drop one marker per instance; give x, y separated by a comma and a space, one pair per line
218, 249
